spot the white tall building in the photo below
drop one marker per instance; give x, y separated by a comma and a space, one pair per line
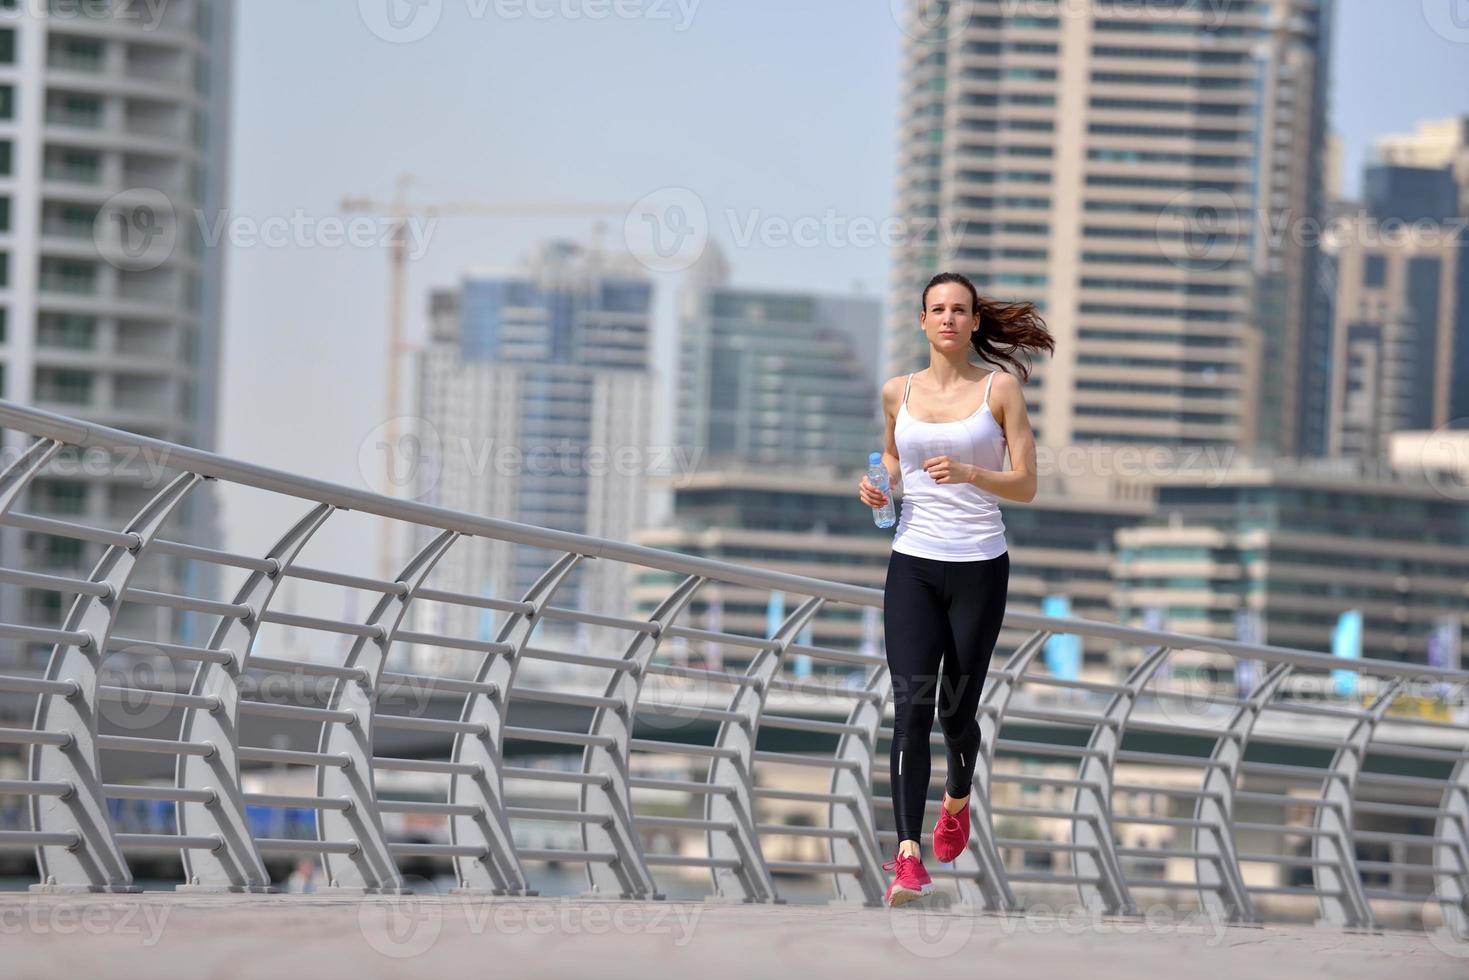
113, 140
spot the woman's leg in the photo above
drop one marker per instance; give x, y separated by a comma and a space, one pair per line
975, 594
917, 631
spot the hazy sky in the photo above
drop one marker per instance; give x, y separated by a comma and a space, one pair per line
775, 110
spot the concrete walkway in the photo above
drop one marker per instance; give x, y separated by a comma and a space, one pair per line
284, 937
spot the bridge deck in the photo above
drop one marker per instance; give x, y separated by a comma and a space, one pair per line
157, 935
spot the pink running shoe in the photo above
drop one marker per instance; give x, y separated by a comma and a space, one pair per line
951, 835
910, 882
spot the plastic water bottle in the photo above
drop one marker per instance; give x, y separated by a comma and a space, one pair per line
877, 475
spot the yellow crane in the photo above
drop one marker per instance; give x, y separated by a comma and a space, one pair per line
399, 211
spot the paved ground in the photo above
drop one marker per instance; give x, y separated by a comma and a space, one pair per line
285, 937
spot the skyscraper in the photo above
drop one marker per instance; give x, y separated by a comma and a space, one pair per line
537, 395
113, 142
769, 378
1124, 165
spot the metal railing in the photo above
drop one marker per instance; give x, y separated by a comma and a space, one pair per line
1265, 797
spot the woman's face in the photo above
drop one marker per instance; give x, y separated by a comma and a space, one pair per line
948, 316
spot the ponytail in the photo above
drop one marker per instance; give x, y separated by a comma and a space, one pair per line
1001, 329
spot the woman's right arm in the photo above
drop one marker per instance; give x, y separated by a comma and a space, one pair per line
892, 395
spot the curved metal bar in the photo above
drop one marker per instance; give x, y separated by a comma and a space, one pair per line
1092, 827
96, 864
748, 879
1221, 883
628, 877
856, 816
19, 474
236, 865
370, 867
1451, 852
1343, 902
986, 885
498, 871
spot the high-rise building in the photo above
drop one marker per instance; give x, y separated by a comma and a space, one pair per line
1122, 165
113, 143
537, 395
1401, 312
769, 378
1441, 144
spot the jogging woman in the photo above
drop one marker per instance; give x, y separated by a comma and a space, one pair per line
948, 430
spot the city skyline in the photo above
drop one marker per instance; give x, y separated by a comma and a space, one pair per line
754, 149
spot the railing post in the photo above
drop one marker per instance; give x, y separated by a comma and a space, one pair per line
236, 866
1215, 806
499, 872
96, 864
371, 868
989, 885
1093, 826
629, 876
1451, 852
750, 879
856, 816
1349, 906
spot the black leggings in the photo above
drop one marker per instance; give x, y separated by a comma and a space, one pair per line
938, 612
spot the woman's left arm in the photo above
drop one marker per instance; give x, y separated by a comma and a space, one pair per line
1017, 483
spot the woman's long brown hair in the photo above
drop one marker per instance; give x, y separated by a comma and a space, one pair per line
1001, 329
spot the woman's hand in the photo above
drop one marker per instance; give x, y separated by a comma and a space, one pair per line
869, 494
947, 469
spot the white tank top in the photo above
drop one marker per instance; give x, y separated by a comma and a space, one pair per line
949, 521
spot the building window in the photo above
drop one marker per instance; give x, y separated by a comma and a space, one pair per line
7, 46
74, 166
75, 53
74, 109
1374, 271
63, 385
72, 331
7, 101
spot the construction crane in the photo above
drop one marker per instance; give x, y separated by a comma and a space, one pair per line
399, 211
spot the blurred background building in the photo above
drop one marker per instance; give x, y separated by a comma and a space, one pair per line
114, 135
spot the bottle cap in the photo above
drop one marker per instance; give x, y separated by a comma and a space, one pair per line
873, 459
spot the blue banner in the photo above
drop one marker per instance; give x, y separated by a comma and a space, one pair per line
1346, 643
1063, 651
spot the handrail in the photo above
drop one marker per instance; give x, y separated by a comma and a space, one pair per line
700, 725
